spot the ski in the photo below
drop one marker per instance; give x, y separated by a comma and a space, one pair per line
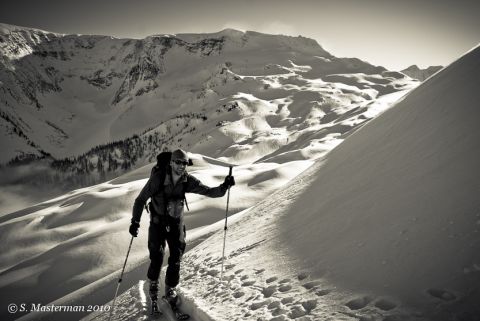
179, 315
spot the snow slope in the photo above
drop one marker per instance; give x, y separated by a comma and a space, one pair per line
385, 227
393, 211
64, 248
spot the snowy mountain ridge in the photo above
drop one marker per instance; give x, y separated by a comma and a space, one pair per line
420, 74
94, 107
63, 94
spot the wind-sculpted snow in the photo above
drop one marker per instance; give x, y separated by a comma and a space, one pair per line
79, 239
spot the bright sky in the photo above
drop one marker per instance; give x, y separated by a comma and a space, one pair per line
394, 34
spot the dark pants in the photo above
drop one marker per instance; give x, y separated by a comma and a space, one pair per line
171, 231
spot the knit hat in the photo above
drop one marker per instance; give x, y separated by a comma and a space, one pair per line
179, 154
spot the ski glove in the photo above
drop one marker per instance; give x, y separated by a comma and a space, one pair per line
134, 228
229, 181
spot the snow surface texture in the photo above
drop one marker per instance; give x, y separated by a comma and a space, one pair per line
385, 227
79, 240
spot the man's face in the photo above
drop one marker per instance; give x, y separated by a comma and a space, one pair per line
178, 166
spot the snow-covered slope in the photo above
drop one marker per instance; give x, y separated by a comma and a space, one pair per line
64, 94
392, 214
385, 227
53, 250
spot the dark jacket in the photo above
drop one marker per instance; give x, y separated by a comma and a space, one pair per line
162, 191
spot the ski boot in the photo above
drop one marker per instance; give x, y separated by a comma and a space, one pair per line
154, 297
171, 295
172, 299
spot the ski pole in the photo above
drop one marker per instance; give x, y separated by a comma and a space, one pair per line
120, 280
225, 228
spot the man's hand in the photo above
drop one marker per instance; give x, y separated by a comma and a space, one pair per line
229, 181
134, 228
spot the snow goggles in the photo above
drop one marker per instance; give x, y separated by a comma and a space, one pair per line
181, 162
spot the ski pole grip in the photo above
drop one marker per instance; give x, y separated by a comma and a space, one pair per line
230, 170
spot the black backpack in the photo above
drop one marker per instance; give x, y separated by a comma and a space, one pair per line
163, 160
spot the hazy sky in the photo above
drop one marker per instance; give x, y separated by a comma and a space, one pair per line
394, 34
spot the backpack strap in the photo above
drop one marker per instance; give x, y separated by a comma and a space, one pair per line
184, 188
163, 175
184, 196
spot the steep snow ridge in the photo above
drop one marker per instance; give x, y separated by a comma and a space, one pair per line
17, 42
68, 99
409, 172
250, 40
235, 38
304, 45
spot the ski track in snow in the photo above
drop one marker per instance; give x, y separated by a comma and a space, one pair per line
256, 287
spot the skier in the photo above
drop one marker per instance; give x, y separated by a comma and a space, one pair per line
166, 188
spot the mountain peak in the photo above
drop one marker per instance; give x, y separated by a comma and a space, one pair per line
8, 28
420, 74
413, 68
231, 31
117, 76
